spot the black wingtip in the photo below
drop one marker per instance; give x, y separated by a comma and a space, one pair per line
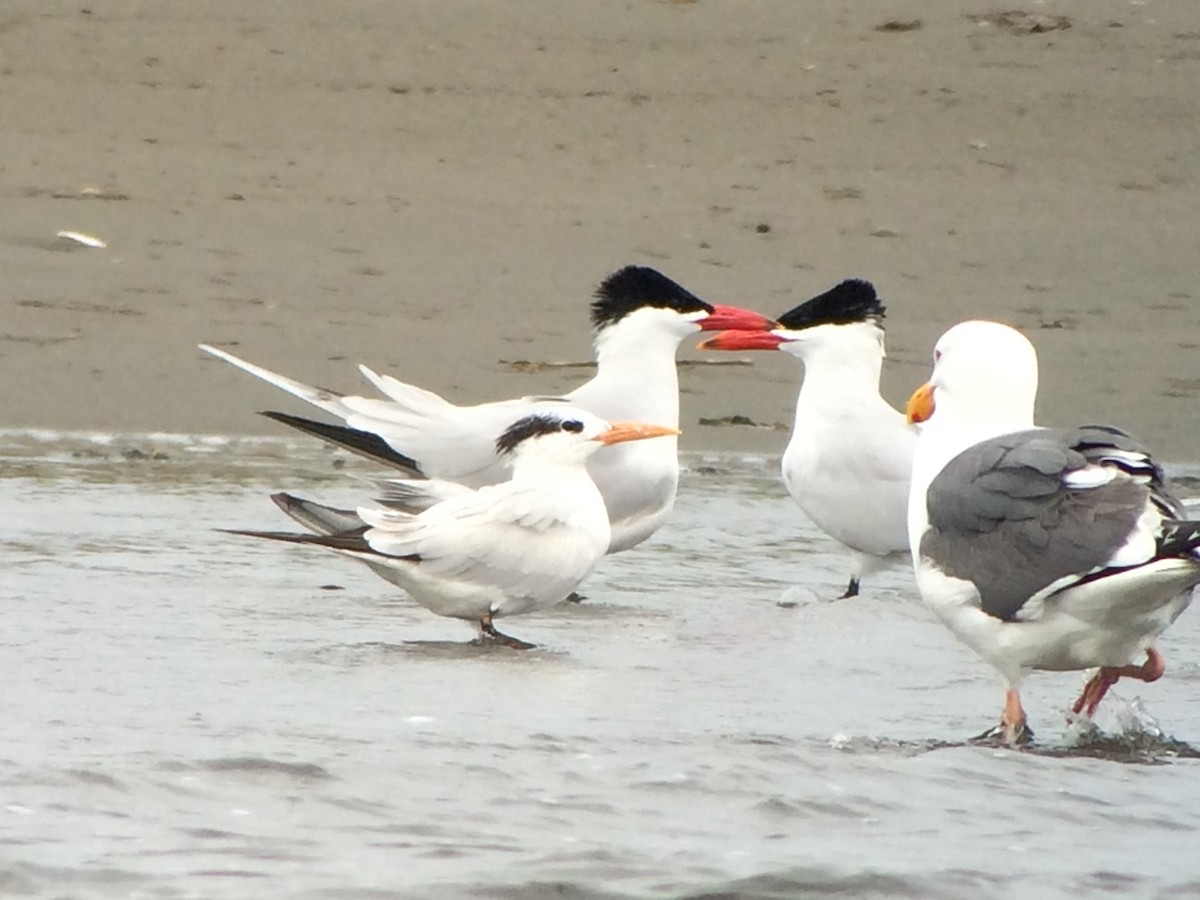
854, 300
633, 287
285, 501
345, 540
1180, 539
290, 503
267, 535
364, 443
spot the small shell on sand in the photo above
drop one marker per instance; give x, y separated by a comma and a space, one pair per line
80, 238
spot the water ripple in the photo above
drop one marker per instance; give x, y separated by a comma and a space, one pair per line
191, 716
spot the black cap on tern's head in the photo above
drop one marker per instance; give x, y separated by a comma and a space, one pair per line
573, 435
533, 426
634, 287
854, 300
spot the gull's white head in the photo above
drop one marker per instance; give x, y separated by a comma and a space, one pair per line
568, 436
985, 378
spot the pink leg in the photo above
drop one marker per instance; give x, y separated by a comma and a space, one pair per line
1093, 692
1012, 721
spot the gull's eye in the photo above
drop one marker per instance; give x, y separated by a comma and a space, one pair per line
937, 354
572, 425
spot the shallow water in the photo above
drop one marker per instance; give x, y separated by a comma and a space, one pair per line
189, 714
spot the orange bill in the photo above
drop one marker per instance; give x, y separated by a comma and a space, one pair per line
920, 404
742, 340
619, 432
737, 319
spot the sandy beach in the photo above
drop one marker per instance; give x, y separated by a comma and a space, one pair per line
434, 188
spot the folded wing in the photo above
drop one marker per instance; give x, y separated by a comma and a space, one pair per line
1026, 515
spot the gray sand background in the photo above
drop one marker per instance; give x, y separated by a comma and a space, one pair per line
435, 187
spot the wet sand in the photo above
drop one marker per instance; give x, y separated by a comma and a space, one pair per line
435, 187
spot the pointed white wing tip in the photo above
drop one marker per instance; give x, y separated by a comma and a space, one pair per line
382, 383
85, 240
220, 354
239, 363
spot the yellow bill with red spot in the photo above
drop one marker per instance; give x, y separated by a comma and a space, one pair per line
920, 404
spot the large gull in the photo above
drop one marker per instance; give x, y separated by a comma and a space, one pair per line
1040, 548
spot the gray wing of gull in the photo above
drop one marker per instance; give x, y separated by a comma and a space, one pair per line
1006, 514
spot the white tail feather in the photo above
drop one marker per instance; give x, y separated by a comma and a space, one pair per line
322, 399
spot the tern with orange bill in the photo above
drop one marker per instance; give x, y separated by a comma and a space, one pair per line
848, 462
639, 318
497, 551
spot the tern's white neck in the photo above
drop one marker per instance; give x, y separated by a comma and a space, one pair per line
543, 466
635, 370
839, 360
645, 334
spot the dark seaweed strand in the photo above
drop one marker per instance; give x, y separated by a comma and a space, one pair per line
634, 287
854, 300
533, 426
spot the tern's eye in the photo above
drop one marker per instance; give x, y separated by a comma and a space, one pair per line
572, 425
